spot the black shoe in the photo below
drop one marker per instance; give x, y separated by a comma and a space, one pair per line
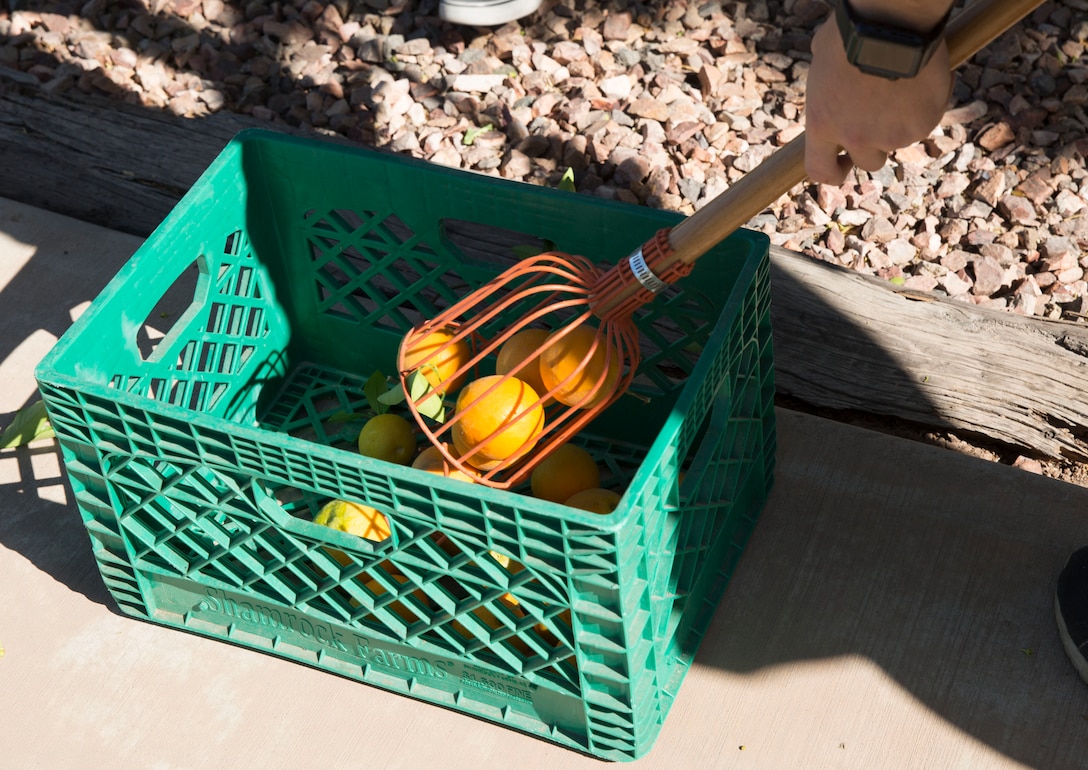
1071, 609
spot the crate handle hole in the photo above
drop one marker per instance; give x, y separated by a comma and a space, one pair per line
174, 309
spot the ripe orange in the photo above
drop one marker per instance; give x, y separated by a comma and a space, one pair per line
432, 461
439, 365
565, 472
510, 409
356, 518
388, 437
595, 500
569, 356
520, 356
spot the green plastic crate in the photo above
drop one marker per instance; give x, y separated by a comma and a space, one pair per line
197, 466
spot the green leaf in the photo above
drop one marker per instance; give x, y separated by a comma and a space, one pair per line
393, 396
897, 280
567, 182
29, 424
374, 389
472, 133
418, 388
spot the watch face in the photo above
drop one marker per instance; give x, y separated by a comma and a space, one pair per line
888, 58
884, 50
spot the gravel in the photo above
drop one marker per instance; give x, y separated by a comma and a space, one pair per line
663, 105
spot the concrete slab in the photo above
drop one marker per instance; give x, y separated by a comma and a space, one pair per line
893, 610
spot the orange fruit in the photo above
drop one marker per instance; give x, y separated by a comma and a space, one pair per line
432, 461
519, 356
569, 356
356, 518
595, 500
565, 472
510, 411
438, 364
388, 437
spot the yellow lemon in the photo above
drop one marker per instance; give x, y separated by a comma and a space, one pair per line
354, 518
388, 437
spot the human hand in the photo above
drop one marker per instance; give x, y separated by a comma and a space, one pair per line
866, 116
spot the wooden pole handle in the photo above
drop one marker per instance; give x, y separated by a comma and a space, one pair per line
968, 32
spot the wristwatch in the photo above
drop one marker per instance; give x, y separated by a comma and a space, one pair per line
885, 50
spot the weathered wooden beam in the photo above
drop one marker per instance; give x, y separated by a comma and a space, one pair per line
842, 340
119, 165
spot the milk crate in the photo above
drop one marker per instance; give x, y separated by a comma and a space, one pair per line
199, 454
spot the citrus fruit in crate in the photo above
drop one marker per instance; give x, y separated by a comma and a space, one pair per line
403, 611
592, 376
562, 620
520, 357
568, 470
513, 566
355, 518
388, 437
494, 623
595, 500
441, 363
504, 406
432, 461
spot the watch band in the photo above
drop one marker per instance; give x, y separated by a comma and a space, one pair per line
886, 50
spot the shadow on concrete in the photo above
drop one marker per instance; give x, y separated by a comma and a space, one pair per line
937, 567
40, 521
